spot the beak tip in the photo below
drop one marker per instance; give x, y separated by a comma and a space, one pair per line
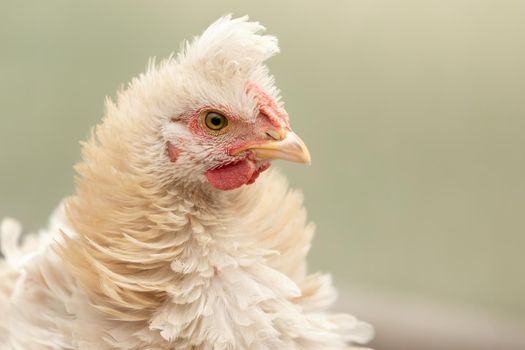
307, 159
305, 154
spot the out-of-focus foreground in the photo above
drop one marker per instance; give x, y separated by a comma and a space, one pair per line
413, 111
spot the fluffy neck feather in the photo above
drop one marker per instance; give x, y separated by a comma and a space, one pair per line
137, 238
129, 232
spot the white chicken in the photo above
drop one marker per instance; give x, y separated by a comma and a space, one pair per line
171, 240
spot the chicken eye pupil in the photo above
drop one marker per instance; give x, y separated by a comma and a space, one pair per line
215, 121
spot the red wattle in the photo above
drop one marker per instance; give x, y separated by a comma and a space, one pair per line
232, 176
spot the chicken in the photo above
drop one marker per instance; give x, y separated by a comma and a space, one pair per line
174, 239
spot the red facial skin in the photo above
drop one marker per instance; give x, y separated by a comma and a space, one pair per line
242, 169
267, 106
173, 152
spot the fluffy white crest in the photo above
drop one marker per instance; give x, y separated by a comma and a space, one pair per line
230, 46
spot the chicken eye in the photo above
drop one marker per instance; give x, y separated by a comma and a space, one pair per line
215, 121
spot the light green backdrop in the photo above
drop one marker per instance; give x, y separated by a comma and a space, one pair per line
414, 112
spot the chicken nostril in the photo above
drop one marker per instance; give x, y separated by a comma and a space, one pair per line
274, 134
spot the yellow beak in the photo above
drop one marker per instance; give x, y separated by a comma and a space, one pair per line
290, 147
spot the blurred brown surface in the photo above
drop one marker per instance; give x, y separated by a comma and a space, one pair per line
402, 322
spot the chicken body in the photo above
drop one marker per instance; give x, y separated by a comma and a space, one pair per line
169, 243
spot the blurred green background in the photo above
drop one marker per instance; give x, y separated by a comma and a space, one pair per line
414, 112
